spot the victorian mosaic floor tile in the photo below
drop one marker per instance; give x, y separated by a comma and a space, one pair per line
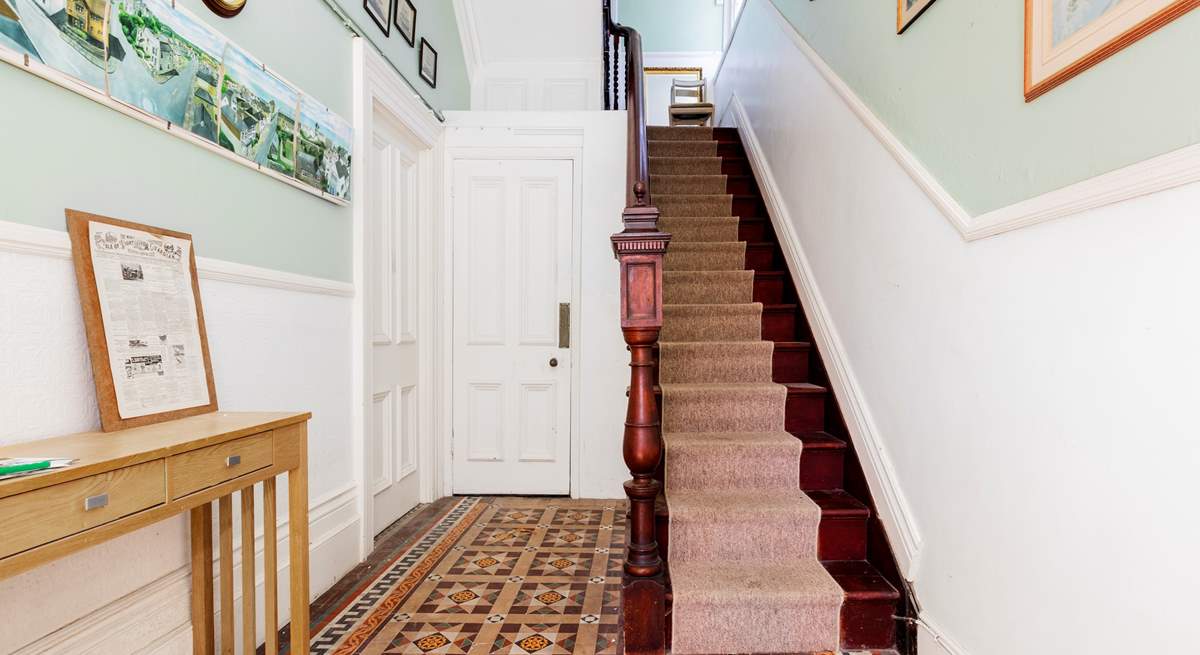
524, 576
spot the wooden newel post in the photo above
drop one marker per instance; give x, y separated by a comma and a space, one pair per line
640, 248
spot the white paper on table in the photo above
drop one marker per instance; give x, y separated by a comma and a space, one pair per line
144, 283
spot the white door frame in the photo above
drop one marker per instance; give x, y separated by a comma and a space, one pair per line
378, 87
501, 143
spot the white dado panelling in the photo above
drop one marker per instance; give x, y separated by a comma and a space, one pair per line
272, 349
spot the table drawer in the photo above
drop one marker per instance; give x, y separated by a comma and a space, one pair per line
200, 469
44, 515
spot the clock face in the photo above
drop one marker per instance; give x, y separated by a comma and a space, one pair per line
226, 8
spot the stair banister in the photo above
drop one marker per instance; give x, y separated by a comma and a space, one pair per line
640, 248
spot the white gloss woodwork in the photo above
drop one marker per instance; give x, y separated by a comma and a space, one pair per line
391, 222
513, 220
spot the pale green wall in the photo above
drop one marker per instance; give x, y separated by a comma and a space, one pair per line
437, 23
674, 25
950, 88
61, 150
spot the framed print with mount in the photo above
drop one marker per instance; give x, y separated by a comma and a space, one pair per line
145, 325
1063, 38
380, 12
428, 63
406, 21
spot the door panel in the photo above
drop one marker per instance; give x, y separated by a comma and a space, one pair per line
393, 303
512, 383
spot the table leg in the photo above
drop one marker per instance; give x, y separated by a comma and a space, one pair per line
298, 548
202, 580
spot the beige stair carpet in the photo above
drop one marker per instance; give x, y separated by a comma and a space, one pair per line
743, 554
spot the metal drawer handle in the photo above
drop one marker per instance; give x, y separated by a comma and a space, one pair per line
233, 460
95, 502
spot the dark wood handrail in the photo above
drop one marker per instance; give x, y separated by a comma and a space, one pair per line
640, 248
637, 178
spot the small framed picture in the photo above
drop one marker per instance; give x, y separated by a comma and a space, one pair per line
908, 11
428, 63
381, 13
406, 20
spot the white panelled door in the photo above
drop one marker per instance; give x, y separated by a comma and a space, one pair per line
392, 296
512, 380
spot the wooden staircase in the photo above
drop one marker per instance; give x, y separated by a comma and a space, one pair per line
851, 543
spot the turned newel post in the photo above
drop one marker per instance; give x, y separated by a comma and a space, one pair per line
640, 249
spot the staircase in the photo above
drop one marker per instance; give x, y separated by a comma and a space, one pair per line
767, 550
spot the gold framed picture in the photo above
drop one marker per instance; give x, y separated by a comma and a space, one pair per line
1063, 38
908, 11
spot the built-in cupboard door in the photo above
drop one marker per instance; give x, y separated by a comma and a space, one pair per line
392, 223
512, 369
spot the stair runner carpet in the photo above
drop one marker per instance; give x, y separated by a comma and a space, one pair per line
743, 554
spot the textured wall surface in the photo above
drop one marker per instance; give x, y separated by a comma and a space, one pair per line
271, 350
951, 89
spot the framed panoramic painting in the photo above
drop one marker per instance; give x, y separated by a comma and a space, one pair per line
381, 13
406, 21
1063, 38
908, 11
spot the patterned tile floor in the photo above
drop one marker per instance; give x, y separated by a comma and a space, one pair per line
515, 576
519, 576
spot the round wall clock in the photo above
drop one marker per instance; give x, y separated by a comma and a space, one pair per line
226, 8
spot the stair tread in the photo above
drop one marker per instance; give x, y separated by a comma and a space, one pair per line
793, 345
803, 387
735, 582
707, 245
758, 273
739, 506
820, 440
780, 306
861, 581
839, 503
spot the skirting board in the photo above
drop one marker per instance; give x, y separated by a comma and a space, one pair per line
159, 614
1160, 173
894, 511
929, 631
31, 240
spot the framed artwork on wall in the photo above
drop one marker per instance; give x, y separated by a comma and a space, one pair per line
908, 11
428, 63
1063, 38
406, 21
380, 12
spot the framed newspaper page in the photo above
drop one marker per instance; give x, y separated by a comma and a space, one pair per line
145, 325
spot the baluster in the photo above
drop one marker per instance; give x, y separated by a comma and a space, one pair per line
202, 580
270, 570
225, 527
249, 637
617, 71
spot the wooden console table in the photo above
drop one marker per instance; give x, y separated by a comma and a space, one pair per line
128, 479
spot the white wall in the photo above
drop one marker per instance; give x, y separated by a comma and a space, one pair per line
532, 55
1022, 402
272, 349
601, 364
